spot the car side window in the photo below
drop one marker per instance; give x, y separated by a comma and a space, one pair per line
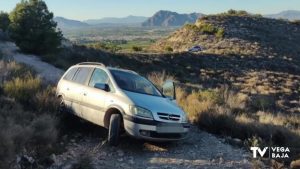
100, 76
82, 74
69, 76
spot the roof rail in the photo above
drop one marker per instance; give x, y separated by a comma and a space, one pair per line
91, 63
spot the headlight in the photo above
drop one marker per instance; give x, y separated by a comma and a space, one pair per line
184, 118
141, 112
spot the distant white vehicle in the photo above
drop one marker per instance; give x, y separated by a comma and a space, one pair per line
195, 49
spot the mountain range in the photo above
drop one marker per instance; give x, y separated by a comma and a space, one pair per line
161, 18
289, 14
112, 20
168, 18
64, 23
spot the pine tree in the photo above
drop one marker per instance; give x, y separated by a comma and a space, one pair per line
33, 28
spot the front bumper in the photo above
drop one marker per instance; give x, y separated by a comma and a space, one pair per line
155, 130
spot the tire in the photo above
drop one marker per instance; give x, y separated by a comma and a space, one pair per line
114, 129
62, 106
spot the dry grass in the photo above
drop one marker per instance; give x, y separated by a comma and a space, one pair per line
158, 78
31, 131
224, 111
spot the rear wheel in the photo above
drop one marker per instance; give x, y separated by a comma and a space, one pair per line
62, 106
114, 129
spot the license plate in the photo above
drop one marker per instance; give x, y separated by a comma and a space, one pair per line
169, 129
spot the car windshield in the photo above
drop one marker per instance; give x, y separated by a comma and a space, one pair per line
134, 83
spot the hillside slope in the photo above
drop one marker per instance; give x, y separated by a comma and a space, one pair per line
242, 35
256, 55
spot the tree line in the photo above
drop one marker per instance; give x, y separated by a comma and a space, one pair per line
31, 26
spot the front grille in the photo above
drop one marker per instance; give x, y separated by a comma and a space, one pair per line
167, 116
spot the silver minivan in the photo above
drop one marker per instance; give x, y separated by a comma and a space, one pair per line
122, 100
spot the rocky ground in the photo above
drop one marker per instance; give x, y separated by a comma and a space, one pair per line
199, 150
85, 145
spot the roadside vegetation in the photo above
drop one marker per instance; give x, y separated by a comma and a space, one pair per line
28, 118
245, 121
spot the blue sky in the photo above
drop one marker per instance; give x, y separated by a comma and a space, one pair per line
94, 9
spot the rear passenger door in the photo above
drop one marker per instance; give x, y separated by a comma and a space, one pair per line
77, 88
65, 88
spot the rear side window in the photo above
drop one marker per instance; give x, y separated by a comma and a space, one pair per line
82, 75
69, 76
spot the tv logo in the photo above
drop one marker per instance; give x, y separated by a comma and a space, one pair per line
257, 149
273, 152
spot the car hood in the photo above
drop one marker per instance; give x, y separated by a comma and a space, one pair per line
154, 103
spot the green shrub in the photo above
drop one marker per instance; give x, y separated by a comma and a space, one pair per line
237, 13
137, 48
23, 90
46, 100
262, 102
231, 12
34, 129
220, 33
208, 29
111, 47
169, 49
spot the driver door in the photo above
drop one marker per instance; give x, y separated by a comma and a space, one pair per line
93, 101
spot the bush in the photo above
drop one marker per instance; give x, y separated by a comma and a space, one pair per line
206, 28
169, 49
296, 22
46, 100
220, 33
33, 29
137, 48
237, 13
262, 102
111, 47
32, 132
23, 90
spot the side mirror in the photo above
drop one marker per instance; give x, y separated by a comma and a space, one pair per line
168, 90
102, 86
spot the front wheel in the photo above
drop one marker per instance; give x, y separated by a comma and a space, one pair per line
114, 129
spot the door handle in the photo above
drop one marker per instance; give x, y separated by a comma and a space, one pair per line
84, 94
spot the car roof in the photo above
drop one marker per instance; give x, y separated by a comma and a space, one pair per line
101, 65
